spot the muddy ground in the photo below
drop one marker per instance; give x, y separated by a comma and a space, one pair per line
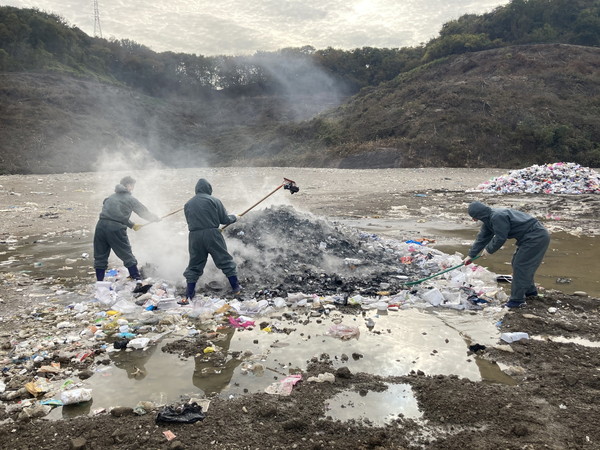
553, 402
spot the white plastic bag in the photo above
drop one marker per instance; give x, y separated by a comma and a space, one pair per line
76, 396
104, 293
513, 337
344, 332
433, 296
138, 343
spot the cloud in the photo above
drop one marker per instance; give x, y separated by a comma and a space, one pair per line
235, 27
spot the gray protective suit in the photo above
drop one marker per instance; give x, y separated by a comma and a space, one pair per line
500, 224
111, 229
204, 213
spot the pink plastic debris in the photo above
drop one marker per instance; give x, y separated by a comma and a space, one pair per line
238, 322
285, 386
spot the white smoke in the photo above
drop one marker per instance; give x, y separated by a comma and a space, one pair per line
163, 245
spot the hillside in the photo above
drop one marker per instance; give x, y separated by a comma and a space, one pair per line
509, 88
60, 123
497, 108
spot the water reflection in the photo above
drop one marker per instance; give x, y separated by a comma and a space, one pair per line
213, 371
75, 410
378, 408
571, 263
133, 362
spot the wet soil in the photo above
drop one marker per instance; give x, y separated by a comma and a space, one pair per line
552, 403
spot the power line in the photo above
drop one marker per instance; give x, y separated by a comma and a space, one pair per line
97, 29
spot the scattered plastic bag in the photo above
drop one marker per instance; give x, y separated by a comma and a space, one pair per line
188, 413
138, 343
104, 293
285, 386
74, 396
434, 297
513, 337
343, 332
239, 322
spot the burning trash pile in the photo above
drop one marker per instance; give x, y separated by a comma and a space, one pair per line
287, 258
288, 255
555, 178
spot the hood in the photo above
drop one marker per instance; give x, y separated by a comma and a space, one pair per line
478, 210
203, 187
120, 189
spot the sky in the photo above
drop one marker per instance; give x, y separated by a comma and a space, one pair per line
242, 27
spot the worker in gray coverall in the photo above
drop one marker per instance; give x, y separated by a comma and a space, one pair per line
500, 224
111, 229
204, 214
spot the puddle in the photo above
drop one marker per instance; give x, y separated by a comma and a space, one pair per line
398, 343
568, 258
378, 408
491, 372
68, 257
566, 340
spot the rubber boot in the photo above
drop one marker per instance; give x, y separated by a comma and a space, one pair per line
190, 293
235, 284
100, 274
134, 273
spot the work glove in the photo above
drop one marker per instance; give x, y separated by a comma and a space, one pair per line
467, 260
484, 253
136, 227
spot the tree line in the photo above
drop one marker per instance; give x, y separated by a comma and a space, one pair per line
31, 40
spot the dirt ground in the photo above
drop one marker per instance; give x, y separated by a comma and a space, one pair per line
552, 404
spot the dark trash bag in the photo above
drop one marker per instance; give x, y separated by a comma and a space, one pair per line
188, 413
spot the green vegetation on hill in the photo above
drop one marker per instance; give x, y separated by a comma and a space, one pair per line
504, 107
491, 90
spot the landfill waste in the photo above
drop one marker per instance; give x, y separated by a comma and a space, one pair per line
514, 336
187, 413
285, 270
285, 386
554, 178
343, 332
74, 396
169, 435
322, 378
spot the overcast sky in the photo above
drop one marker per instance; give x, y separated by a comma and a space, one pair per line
235, 27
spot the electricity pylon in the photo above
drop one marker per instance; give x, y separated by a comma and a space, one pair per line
97, 29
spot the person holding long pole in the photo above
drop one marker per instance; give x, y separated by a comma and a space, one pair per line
204, 214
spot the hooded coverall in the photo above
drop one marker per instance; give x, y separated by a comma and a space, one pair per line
111, 229
204, 213
500, 224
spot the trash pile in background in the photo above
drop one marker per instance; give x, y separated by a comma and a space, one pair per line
555, 178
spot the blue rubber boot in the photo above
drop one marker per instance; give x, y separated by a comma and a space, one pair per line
514, 304
235, 285
100, 274
134, 273
190, 293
